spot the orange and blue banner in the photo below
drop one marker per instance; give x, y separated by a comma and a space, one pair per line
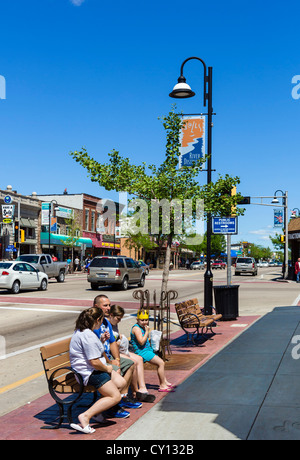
192, 139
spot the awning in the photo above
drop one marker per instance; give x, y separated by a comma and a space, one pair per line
62, 239
24, 222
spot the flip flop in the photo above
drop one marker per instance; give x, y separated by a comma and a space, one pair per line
166, 390
145, 397
170, 385
87, 429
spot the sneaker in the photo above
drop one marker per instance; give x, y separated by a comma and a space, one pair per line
117, 413
129, 403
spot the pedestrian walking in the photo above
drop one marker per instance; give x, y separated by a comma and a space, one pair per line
297, 270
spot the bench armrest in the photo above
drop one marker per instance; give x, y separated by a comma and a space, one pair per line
190, 317
51, 384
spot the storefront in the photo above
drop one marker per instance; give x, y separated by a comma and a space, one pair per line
104, 244
61, 245
294, 243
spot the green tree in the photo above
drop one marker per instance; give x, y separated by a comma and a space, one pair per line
165, 182
276, 241
73, 235
139, 242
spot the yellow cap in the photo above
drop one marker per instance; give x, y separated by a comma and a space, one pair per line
143, 314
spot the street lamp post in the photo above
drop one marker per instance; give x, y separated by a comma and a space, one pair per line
181, 91
284, 198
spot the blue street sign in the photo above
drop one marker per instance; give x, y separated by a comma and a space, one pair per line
7, 199
224, 225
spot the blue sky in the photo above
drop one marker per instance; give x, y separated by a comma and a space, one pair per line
98, 74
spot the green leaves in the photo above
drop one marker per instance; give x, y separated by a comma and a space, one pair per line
166, 181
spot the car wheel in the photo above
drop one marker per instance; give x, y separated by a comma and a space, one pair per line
94, 286
15, 289
44, 284
142, 282
236, 274
124, 284
61, 277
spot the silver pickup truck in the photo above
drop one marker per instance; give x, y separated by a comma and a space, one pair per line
45, 264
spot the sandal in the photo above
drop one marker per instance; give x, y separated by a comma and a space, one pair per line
87, 429
170, 385
166, 390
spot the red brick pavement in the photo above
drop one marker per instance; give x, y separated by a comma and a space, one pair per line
27, 422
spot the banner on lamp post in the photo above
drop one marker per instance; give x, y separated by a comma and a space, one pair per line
192, 139
278, 217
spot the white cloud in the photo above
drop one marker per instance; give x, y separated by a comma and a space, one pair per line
77, 2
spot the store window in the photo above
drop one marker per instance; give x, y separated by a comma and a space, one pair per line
86, 222
93, 222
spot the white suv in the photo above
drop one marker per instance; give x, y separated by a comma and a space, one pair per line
245, 265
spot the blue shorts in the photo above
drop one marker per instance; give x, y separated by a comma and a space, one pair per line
98, 378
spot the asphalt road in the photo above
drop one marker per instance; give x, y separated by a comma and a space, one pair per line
33, 318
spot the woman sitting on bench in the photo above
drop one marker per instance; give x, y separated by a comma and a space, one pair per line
87, 357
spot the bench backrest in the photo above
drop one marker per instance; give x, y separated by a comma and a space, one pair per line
55, 356
188, 306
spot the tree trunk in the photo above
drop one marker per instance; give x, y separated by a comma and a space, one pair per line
165, 276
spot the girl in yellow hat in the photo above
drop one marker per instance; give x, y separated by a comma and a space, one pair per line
141, 345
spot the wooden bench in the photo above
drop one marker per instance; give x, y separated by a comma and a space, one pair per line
62, 379
192, 319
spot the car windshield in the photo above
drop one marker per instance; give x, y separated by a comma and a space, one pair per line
5, 265
104, 262
30, 258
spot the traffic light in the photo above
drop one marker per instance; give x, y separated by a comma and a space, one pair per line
233, 208
282, 238
244, 200
16, 231
22, 236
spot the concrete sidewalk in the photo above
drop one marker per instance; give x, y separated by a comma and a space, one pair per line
243, 383
249, 390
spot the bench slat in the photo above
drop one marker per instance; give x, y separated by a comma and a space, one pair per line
49, 351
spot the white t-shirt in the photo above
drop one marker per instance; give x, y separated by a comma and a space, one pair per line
84, 346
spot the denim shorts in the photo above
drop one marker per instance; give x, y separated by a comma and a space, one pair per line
98, 378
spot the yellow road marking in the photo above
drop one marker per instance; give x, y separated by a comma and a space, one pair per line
20, 382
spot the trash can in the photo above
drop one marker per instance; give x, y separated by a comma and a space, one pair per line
227, 301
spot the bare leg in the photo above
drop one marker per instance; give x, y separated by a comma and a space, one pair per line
110, 397
163, 382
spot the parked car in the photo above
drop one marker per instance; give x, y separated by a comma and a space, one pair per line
45, 264
245, 265
144, 266
16, 275
197, 265
263, 264
218, 264
116, 271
